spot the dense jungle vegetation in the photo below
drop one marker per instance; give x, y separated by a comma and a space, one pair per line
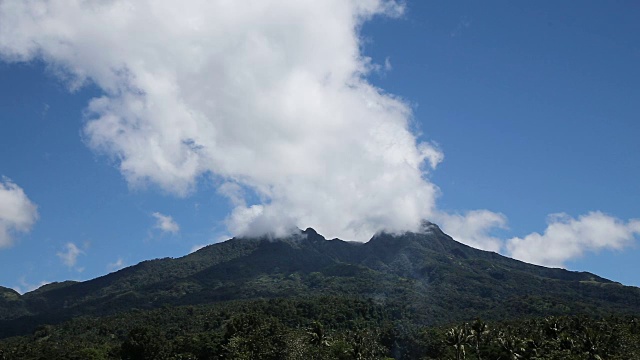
321, 328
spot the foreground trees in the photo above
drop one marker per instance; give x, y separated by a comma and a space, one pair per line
569, 337
317, 329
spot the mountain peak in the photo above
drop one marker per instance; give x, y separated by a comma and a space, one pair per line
426, 228
312, 234
310, 231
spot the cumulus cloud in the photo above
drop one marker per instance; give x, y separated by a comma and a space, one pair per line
69, 255
17, 212
268, 95
474, 228
270, 100
165, 223
567, 238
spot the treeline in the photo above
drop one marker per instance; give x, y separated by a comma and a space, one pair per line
320, 328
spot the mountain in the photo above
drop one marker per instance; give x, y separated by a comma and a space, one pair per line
427, 277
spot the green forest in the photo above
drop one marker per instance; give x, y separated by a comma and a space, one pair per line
321, 328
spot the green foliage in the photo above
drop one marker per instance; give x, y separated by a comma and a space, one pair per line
574, 337
254, 336
313, 328
316, 329
144, 343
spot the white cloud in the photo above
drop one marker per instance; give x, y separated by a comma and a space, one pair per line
165, 223
567, 238
17, 212
269, 98
117, 265
474, 228
387, 64
269, 95
70, 255
564, 239
233, 192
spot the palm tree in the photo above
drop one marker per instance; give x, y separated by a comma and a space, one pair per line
512, 344
317, 335
479, 330
592, 342
458, 337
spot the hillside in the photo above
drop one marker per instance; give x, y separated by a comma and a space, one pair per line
429, 276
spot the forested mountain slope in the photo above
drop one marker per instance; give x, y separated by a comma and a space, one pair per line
431, 278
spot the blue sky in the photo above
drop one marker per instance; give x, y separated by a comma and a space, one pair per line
489, 120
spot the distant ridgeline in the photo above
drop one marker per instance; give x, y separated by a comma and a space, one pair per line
378, 293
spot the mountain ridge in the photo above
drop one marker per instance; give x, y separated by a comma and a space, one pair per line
422, 272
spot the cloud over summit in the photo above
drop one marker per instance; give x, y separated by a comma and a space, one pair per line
269, 100
269, 95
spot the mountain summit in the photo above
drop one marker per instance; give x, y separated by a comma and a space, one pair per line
428, 274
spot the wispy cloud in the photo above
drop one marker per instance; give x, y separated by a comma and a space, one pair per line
463, 24
387, 64
69, 255
116, 265
26, 286
165, 223
195, 248
45, 110
17, 212
217, 239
